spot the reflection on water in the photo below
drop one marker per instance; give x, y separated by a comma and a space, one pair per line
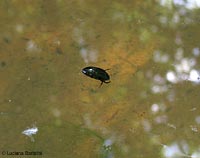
191, 4
150, 108
178, 150
30, 131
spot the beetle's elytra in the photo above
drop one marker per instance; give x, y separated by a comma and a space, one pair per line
97, 73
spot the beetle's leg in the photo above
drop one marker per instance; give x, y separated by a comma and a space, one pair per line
101, 84
107, 69
107, 81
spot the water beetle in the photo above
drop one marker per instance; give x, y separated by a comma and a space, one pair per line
97, 73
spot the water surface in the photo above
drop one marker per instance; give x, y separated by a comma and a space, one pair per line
150, 108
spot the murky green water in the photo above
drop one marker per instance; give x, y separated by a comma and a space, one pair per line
48, 108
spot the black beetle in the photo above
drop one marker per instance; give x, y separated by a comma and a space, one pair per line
97, 73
